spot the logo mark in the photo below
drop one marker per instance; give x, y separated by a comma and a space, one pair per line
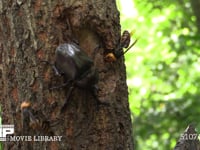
6, 130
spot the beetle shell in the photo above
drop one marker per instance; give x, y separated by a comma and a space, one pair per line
118, 52
125, 39
71, 61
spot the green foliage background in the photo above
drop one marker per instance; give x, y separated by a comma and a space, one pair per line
162, 70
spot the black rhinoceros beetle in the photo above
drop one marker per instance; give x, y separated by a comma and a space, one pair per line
76, 67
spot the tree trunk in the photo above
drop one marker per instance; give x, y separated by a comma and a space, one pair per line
195, 7
30, 31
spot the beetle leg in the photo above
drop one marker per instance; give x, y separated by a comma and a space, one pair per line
45, 61
56, 71
95, 89
54, 68
69, 92
60, 86
29, 119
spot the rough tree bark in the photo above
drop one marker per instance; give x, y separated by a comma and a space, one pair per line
30, 31
188, 140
